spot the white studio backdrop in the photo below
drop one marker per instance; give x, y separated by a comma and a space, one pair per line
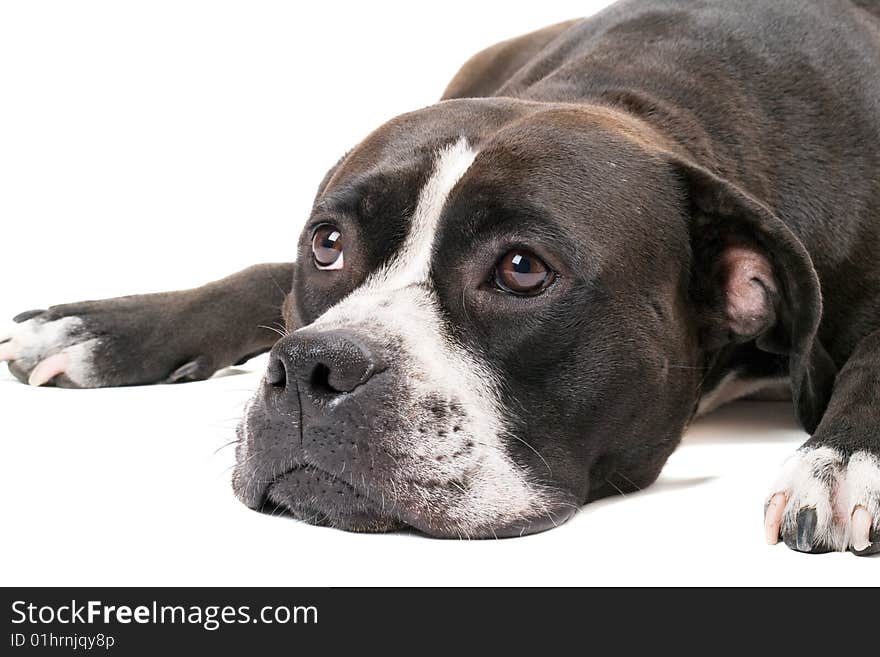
158, 145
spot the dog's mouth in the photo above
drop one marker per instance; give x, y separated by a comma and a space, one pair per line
318, 498
380, 488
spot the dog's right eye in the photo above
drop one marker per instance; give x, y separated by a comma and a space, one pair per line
327, 248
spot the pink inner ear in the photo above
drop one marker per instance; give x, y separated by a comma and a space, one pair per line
748, 279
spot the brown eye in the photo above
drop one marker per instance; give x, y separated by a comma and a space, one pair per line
523, 273
327, 248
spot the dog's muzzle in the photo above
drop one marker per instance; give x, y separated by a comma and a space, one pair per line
347, 431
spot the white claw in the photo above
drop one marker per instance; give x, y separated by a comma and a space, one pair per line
48, 369
8, 351
773, 517
860, 528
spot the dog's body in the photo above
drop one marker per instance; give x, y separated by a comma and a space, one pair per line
513, 302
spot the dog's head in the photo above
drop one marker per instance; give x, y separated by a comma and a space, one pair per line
494, 319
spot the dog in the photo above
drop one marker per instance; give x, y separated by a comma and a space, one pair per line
513, 302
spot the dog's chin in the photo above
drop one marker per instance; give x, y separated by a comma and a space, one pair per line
318, 498
313, 496
350, 522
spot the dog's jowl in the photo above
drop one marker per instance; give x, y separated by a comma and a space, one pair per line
512, 302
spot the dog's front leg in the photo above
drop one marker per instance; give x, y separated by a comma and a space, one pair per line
151, 338
828, 497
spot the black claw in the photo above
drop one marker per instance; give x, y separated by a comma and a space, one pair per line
195, 370
26, 315
806, 527
873, 548
800, 535
17, 371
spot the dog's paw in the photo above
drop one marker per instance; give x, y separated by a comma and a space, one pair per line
134, 340
824, 501
44, 346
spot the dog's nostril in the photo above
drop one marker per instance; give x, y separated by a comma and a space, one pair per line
319, 381
276, 374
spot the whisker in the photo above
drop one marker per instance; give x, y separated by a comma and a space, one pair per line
628, 479
524, 442
608, 481
225, 445
283, 334
464, 492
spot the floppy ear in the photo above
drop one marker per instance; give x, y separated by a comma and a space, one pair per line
752, 279
329, 175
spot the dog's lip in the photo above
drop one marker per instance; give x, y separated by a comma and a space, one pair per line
371, 518
536, 525
327, 511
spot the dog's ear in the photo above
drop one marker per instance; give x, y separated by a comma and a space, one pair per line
329, 176
753, 280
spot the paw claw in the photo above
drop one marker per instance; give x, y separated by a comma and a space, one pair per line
806, 529
861, 529
26, 315
195, 370
8, 351
48, 369
773, 517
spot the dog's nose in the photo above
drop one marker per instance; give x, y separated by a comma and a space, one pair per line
322, 364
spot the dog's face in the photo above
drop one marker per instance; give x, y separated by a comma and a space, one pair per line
489, 326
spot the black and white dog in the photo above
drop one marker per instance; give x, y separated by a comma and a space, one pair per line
513, 302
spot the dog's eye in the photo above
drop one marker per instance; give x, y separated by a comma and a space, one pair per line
327, 248
523, 273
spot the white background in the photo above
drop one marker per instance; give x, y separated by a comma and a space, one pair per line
151, 146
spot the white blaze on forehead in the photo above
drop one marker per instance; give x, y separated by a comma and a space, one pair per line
411, 265
413, 262
394, 305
